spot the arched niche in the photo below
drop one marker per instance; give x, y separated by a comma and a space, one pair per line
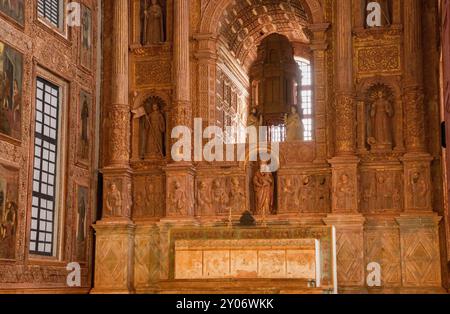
367, 94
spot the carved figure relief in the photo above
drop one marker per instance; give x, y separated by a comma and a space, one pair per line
419, 190
178, 200
219, 196
263, 184
305, 195
381, 191
237, 200
113, 201
288, 193
294, 126
11, 75
204, 202
153, 22
149, 197
381, 113
344, 193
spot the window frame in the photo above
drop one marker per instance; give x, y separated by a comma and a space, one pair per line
61, 165
307, 88
61, 29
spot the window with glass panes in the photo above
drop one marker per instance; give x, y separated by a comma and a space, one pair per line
51, 10
43, 216
306, 91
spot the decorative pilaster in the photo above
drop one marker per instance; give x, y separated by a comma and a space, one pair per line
117, 179
345, 107
319, 47
413, 77
180, 176
115, 232
182, 113
345, 164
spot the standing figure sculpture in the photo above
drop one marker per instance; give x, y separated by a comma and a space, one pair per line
155, 129
113, 201
153, 23
263, 183
381, 113
294, 126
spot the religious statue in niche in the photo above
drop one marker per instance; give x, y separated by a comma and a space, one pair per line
113, 201
153, 21
294, 126
85, 100
263, 183
344, 193
204, 203
152, 129
237, 197
11, 68
178, 200
381, 113
254, 119
419, 190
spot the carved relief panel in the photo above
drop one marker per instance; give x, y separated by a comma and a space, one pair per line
149, 196
381, 190
304, 193
221, 195
179, 196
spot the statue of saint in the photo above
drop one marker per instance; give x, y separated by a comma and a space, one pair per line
381, 113
294, 126
419, 191
153, 23
344, 193
254, 120
263, 183
155, 128
113, 201
237, 196
204, 203
179, 200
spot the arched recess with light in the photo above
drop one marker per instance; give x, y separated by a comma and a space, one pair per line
231, 33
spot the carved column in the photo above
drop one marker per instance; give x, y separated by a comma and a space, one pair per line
345, 163
319, 47
345, 216
417, 161
413, 77
181, 175
115, 232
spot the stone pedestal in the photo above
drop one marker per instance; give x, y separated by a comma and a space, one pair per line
146, 258
420, 252
114, 257
349, 250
